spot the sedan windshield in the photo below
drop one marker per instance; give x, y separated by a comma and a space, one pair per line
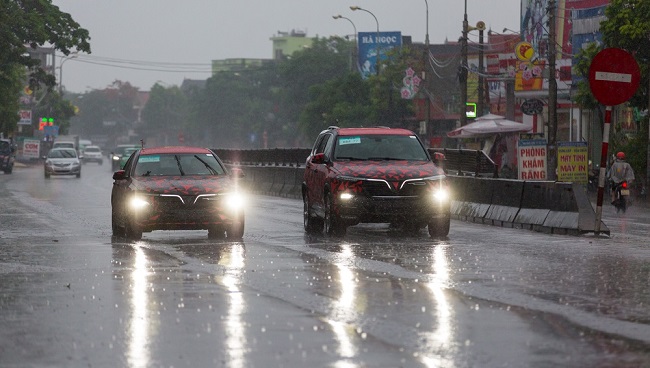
178, 165
62, 153
379, 147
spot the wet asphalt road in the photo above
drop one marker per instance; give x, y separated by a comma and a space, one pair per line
71, 296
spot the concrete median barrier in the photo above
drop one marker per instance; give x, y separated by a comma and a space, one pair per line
472, 197
506, 201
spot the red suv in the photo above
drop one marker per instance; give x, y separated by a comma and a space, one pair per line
373, 175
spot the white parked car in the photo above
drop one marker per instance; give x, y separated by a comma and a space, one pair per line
93, 154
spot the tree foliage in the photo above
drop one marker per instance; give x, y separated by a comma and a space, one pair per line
627, 26
166, 110
26, 24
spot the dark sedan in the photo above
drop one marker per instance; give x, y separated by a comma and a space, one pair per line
177, 188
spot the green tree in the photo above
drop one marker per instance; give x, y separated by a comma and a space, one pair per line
165, 111
343, 101
28, 24
233, 107
627, 26
326, 59
10, 87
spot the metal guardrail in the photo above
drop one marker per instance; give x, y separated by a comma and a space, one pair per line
466, 162
264, 157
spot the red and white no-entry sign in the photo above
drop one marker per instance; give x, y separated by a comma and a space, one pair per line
614, 76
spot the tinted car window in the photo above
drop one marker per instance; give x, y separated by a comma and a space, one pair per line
382, 147
62, 153
178, 164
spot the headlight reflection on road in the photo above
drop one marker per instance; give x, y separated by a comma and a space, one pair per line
138, 338
343, 309
236, 347
441, 338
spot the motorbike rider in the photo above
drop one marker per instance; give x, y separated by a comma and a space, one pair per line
620, 171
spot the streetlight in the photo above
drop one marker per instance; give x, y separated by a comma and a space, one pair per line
355, 8
352, 52
63, 60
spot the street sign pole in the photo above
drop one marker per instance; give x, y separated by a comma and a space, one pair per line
603, 166
614, 77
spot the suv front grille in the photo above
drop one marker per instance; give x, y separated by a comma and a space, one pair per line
381, 188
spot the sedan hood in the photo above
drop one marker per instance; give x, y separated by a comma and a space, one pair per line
388, 170
183, 185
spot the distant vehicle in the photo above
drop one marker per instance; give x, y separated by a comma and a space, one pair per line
7, 156
83, 143
117, 154
176, 188
125, 156
67, 141
62, 161
93, 154
64, 144
374, 175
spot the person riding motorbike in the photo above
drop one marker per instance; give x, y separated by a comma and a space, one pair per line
619, 172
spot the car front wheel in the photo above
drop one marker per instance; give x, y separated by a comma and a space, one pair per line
312, 224
333, 224
236, 230
439, 227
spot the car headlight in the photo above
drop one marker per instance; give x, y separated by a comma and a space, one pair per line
441, 194
139, 203
235, 200
346, 196
116, 158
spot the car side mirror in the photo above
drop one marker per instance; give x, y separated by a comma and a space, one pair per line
119, 175
237, 173
318, 159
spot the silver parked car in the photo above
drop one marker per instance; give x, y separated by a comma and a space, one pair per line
62, 161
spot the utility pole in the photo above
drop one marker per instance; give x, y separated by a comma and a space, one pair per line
462, 76
427, 75
552, 94
481, 79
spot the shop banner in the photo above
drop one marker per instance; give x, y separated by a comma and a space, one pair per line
531, 159
572, 162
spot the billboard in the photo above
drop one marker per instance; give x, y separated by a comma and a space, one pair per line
373, 43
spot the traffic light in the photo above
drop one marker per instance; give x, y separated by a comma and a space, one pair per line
45, 122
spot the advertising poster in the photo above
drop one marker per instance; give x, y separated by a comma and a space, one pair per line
25, 117
371, 43
572, 162
531, 159
31, 148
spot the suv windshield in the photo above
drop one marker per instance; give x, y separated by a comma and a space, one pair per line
379, 147
178, 164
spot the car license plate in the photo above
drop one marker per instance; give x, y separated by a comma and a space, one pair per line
625, 192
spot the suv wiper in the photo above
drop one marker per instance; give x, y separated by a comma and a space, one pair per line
207, 165
178, 163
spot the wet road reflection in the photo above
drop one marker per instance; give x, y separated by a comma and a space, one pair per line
439, 341
233, 260
139, 324
343, 315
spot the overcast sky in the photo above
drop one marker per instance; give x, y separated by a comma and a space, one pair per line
145, 41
